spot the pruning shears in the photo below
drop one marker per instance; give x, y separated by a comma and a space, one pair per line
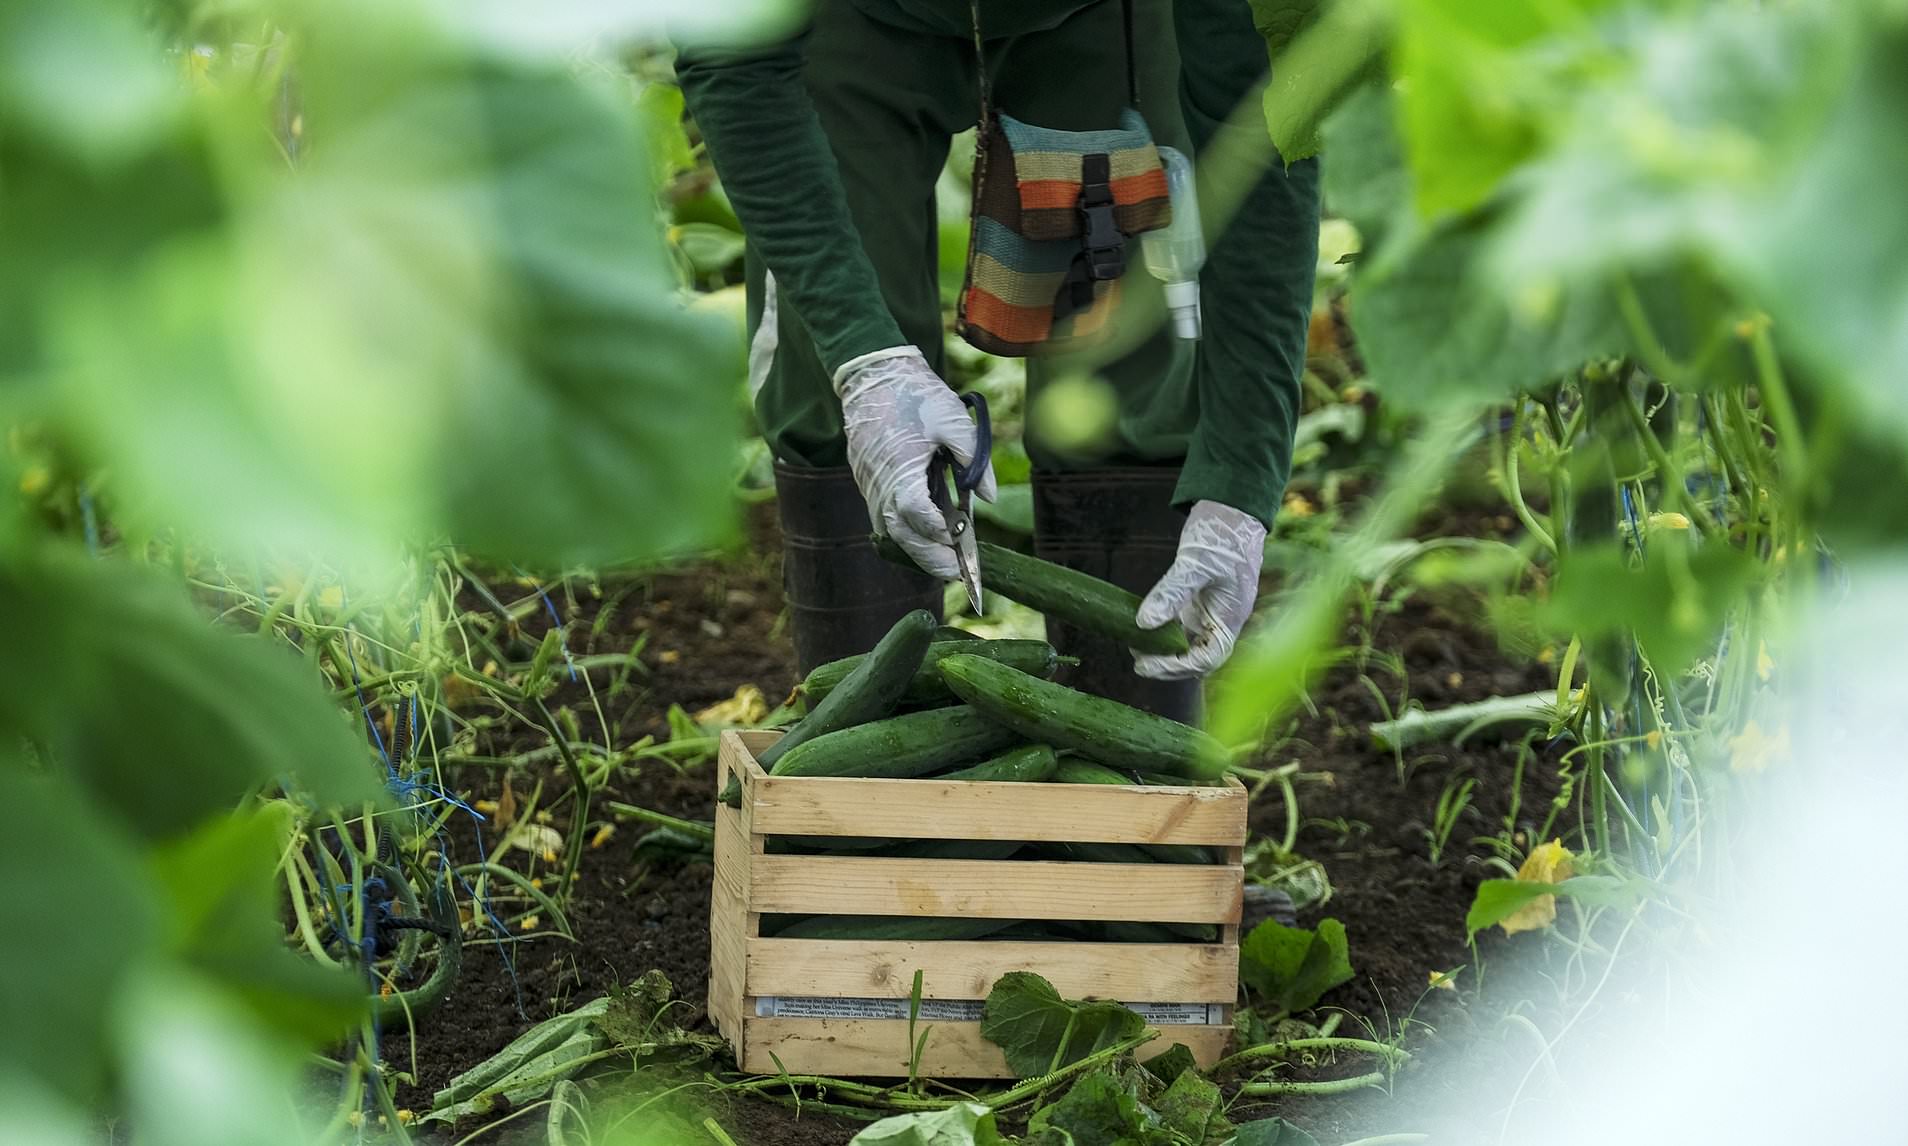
958, 508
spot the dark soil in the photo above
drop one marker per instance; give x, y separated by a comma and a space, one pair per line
713, 626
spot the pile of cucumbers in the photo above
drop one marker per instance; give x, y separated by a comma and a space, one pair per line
959, 707
932, 702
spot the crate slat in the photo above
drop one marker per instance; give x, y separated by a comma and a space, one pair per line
995, 889
879, 1047
966, 969
986, 810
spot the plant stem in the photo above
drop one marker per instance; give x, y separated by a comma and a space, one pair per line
1665, 465
580, 784
1513, 483
1282, 1049
516, 879
701, 831
1331, 1086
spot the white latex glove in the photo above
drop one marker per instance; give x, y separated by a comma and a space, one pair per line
1209, 590
898, 414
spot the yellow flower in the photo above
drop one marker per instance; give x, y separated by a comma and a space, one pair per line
747, 706
35, 480
1444, 980
1765, 664
1297, 505
1546, 863
529, 922
1753, 750
331, 597
1653, 738
602, 835
1668, 521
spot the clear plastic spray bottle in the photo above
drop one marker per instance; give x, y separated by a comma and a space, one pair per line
1175, 253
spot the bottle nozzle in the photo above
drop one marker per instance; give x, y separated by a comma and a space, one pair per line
1182, 299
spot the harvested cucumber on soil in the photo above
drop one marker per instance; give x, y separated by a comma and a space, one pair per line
1104, 730
928, 686
869, 691
1064, 594
901, 747
878, 927
1028, 764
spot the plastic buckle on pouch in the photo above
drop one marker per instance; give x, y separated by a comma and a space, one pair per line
1105, 246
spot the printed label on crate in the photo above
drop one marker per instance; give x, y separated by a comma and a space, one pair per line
959, 1010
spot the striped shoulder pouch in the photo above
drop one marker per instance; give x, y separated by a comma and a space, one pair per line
1052, 213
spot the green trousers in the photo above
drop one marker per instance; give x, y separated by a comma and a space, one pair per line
890, 99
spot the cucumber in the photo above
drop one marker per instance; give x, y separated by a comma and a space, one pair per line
1130, 853
870, 691
1030, 763
956, 849
823, 845
1103, 730
1079, 599
882, 927
928, 686
901, 747
1076, 770
954, 633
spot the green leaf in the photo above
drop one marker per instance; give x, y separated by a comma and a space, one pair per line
1291, 967
1675, 601
1343, 47
1476, 104
1171, 1063
82, 913
86, 75
163, 717
198, 1070
710, 249
1098, 1109
1499, 899
33, 1114
1437, 329
1301, 878
1280, 21
1194, 1108
1367, 181
1029, 1021
637, 1021
454, 318
1752, 151
962, 1124
1272, 1132
222, 914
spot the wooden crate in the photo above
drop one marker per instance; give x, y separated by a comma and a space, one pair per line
746, 966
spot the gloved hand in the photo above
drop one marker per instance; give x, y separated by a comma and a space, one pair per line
898, 414
1210, 590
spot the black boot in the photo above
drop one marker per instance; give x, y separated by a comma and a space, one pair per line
842, 597
1120, 526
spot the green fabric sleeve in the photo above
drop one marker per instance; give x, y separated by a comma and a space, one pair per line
1256, 287
776, 165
